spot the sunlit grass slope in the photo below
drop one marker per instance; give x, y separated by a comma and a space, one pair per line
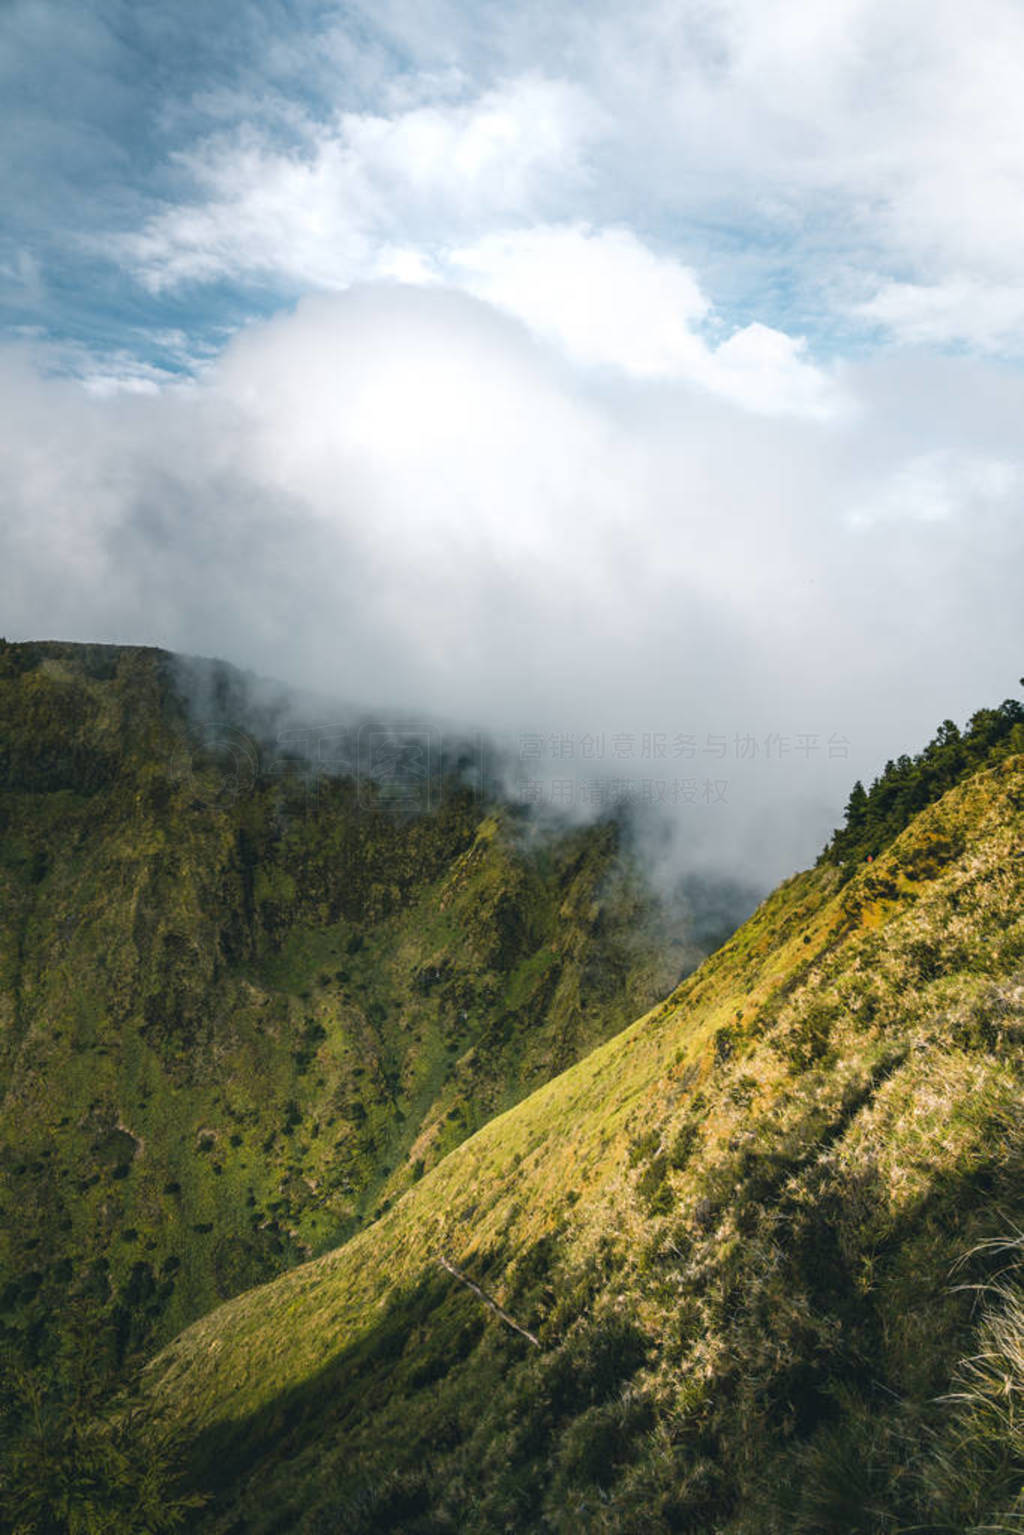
732, 1228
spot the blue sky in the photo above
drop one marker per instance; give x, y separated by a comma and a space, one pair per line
527, 363
850, 177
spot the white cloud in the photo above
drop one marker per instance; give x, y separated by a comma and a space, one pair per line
809, 159
990, 317
766, 370
602, 295
860, 162
322, 216
404, 264
607, 300
940, 485
850, 139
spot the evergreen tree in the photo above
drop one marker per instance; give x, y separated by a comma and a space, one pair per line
857, 808
875, 817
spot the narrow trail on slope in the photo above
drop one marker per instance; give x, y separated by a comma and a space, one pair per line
488, 1301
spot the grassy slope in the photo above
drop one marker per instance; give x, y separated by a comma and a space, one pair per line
733, 1228
231, 1029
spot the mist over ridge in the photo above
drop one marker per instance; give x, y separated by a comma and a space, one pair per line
399, 499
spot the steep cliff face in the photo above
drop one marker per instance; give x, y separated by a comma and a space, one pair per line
236, 1016
747, 1235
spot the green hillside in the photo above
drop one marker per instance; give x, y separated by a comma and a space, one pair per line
765, 1240
236, 1020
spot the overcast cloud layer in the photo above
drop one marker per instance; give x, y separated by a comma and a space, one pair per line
580, 374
